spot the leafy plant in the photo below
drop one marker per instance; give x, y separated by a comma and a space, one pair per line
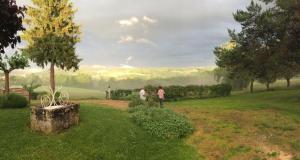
30, 88
162, 123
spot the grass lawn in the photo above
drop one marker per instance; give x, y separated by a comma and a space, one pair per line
103, 134
256, 126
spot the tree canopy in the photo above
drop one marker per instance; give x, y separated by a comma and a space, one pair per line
52, 35
11, 18
267, 47
8, 64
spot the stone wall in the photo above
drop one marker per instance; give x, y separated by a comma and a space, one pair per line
54, 119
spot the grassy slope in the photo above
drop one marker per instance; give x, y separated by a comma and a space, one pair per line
78, 93
103, 134
246, 126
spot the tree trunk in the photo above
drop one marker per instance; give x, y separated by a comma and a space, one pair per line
288, 81
29, 98
268, 86
52, 77
251, 86
6, 82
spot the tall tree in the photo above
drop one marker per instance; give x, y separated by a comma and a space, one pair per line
8, 64
52, 35
247, 41
287, 15
11, 17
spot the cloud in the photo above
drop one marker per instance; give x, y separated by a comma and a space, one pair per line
149, 20
128, 22
130, 39
126, 39
146, 41
185, 31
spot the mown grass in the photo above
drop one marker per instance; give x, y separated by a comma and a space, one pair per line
103, 134
264, 125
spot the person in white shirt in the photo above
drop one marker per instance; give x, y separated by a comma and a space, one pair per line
143, 94
161, 96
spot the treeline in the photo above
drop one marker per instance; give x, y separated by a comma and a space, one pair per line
87, 81
268, 46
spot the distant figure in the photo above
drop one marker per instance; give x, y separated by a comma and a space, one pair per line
143, 94
161, 96
109, 92
106, 94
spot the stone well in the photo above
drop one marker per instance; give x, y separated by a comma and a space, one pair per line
54, 119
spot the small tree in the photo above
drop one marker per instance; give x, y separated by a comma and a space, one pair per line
11, 17
31, 87
8, 64
52, 35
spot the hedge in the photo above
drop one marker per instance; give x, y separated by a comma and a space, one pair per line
12, 100
121, 94
174, 93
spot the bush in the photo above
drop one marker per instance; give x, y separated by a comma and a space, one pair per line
13, 101
120, 94
136, 102
221, 90
162, 123
150, 102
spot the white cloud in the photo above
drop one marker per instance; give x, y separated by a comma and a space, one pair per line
146, 41
128, 22
130, 39
149, 20
126, 39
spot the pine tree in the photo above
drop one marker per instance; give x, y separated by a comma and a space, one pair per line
52, 35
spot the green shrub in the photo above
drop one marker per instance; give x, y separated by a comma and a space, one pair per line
136, 102
13, 101
162, 123
120, 94
220, 90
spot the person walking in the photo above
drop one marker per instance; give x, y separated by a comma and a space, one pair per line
143, 94
161, 96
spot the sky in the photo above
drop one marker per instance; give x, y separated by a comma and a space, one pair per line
153, 33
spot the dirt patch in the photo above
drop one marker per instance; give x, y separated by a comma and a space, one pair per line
122, 105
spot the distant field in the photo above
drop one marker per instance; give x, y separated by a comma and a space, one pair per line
79, 93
